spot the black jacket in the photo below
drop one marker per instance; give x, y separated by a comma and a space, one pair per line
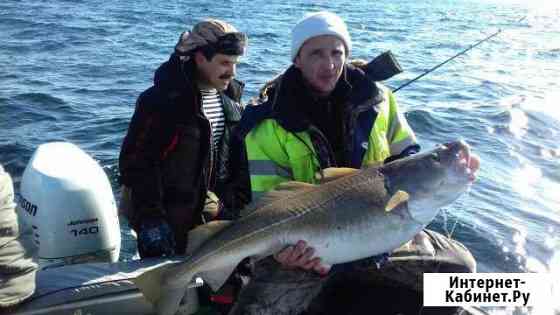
166, 157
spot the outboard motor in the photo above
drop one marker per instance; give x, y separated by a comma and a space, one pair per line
66, 197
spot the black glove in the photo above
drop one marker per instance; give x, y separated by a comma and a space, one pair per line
155, 238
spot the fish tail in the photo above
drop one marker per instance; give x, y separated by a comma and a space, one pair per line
150, 283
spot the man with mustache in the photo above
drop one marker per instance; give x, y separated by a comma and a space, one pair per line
323, 112
176, 159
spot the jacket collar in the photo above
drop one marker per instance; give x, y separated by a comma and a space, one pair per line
291, 93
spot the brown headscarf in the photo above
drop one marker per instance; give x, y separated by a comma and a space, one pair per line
202, 34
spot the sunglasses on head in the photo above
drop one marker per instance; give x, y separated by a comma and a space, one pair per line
227, 44
231, 44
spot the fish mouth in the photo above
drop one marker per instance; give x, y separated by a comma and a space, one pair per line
458, 160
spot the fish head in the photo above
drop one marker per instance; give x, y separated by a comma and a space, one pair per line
431, 179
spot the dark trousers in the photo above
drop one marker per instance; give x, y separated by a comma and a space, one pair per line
358, 290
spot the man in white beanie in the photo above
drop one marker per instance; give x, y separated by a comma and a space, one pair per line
325, 112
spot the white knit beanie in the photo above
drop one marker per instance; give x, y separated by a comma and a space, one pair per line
317, 24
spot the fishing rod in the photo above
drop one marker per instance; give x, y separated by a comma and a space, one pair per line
457, 55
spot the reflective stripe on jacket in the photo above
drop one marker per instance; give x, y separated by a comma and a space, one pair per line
276, 155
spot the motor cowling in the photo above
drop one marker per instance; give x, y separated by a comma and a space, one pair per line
66, 198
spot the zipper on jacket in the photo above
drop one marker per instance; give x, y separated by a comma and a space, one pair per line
210, 150
332, 159
322, 138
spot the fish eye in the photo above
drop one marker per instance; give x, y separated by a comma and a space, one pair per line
434, 156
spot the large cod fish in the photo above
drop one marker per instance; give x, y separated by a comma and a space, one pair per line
353, 215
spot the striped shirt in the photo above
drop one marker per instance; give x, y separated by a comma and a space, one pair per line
214, 111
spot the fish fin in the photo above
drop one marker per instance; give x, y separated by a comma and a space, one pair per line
153, 283
202, 233
283, 190
150, 283
217, 277
397, 199
333, 173
292, 186
168, 304
157, 289
372, 164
